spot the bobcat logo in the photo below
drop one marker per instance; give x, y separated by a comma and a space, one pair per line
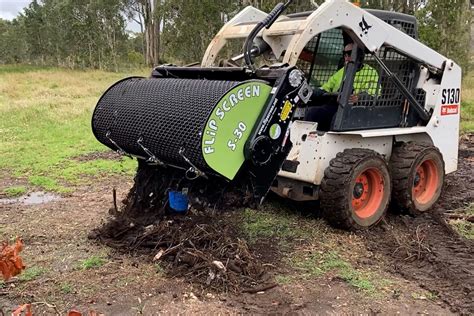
364, 26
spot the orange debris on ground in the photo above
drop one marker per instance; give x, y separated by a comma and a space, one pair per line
23, 308
10, 261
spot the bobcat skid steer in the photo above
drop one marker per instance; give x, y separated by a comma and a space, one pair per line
393, 136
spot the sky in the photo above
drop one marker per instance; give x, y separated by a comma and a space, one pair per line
9, 9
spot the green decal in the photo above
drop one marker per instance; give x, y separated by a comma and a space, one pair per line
275, 131
230, 124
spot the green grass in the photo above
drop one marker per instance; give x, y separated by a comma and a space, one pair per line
284, 279
46, 122
467, 116
425, 296
15, 191
31, 274
463, 227
159, 269
467, 105
92, 263
276, 221
66, 288
318, 264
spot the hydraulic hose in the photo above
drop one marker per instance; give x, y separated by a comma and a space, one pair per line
267, 23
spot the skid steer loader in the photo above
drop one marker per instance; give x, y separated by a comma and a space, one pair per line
393, 136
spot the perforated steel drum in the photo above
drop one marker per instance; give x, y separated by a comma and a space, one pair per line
165, 114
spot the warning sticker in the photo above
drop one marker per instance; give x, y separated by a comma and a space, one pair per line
285, 112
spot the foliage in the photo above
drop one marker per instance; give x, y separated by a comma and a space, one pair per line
467, 106
444, 25
318, 263
74, 34
92, 33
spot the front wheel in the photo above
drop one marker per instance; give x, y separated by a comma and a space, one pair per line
355, 191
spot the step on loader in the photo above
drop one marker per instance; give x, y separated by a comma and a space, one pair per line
341, 105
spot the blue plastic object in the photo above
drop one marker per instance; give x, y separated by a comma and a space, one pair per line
178, 201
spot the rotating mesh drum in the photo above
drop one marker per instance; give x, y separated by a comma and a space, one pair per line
163, 115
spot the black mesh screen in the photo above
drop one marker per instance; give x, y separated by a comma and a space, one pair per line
386, 93
404, 26
166, 113
322, 56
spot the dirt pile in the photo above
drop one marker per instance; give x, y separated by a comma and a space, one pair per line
203, 249
203, 246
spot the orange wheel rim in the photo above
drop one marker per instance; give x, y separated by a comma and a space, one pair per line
425, 183
368, 193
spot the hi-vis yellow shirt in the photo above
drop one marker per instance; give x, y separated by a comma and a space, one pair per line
366, 80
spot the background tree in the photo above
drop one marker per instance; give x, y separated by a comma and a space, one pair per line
149, 15
92, 33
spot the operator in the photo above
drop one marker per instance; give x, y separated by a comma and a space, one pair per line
365, 82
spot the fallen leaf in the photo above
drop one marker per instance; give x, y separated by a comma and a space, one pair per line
11, 263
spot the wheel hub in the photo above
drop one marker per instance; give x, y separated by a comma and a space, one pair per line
417, 179
425, 182
358, 190
367, 193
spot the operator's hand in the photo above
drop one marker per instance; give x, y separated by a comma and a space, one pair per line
354, 98
317, 93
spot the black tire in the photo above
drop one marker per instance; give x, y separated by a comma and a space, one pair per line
342, 203
406, 162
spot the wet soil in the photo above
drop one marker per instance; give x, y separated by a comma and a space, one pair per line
32, 198
426, 249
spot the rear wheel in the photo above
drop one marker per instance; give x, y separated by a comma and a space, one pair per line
417, 171
355, 190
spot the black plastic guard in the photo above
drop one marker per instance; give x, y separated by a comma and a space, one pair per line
269, 143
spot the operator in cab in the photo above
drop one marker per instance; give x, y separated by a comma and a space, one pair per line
365, 82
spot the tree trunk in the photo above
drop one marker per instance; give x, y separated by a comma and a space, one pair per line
152, 23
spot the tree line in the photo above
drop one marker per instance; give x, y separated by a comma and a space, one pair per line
92, 33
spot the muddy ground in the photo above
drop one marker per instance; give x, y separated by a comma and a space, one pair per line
418, 265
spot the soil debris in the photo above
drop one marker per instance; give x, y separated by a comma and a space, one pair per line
148, 198
203, 246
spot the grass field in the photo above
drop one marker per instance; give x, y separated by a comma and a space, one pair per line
45, 123
467, 106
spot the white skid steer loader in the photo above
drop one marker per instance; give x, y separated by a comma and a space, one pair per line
341, 105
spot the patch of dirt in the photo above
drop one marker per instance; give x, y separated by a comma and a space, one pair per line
106, 155
427, 250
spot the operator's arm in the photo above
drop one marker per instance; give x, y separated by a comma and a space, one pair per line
333, 84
